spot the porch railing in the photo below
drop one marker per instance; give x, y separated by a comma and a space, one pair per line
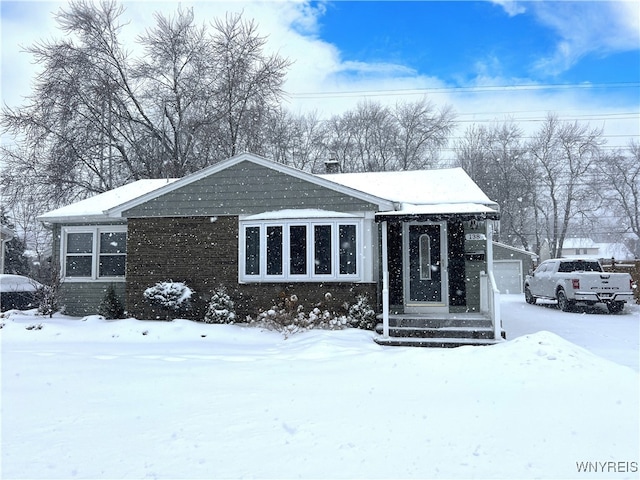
490, 302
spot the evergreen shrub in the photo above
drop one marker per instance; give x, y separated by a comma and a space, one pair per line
110, 307
221, 308
170, 296
361, 315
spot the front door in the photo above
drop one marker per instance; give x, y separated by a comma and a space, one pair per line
425, 278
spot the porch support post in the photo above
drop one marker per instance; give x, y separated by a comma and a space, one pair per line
494, 299
385, 282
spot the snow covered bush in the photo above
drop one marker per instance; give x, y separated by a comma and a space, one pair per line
290, 318
47, 299
110, 306
361, 315
171, 296
47, 296
221, 308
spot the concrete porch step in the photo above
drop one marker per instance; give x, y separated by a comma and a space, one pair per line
440, 332
471, 320
434, 342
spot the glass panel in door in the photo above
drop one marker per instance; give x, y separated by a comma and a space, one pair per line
425, 264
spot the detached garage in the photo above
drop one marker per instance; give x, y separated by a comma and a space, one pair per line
510, 265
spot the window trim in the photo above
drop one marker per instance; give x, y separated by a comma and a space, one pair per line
96, 231
310, 275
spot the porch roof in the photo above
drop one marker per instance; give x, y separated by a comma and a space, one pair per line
464, 211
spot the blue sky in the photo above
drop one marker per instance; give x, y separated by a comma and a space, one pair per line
346, 52
452, 40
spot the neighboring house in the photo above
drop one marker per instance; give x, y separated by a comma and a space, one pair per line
579, 247
510, 266
414, 242
585, 247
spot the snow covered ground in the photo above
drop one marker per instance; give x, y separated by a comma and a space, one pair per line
88, 398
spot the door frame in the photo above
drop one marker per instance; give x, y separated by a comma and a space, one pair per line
426, 307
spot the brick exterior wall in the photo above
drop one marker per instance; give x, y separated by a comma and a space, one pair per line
203, 253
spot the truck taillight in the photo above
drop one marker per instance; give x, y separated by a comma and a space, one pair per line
575, 283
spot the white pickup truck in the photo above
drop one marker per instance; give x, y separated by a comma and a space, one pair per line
570, 280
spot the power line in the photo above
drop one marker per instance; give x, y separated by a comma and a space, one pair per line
475, 89
604, 116
507, 117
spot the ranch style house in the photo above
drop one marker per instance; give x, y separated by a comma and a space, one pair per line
417, 243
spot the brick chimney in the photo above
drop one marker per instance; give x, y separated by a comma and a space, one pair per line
332, 165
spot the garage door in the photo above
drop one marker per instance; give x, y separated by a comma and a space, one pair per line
508, 275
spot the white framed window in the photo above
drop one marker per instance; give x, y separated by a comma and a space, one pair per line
300, 250
94, 253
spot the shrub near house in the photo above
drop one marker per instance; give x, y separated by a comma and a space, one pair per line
173, 297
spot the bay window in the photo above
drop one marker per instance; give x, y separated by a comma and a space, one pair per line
299, 250
94, 253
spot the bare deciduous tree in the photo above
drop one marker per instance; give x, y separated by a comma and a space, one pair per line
248, 83
295, 140
422, 131
373, 137
98, 118
565, 153
494, 158
620, 189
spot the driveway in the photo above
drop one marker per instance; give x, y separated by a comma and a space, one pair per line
615, 337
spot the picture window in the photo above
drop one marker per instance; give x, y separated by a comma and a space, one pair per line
298, 250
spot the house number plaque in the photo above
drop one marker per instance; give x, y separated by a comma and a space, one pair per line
475, 236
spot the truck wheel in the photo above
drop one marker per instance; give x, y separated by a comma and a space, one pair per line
615, 307
528, 297
564, 303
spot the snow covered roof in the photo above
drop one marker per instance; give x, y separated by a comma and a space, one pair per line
515, 249
96, 208
417, 187
417, 192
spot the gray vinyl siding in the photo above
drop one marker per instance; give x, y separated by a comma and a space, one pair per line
83, 298
473, 268
246, 189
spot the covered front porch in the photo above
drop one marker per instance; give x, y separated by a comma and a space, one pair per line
438, 287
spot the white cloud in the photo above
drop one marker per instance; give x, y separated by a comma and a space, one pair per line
588, 27
511, 7
292, 28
